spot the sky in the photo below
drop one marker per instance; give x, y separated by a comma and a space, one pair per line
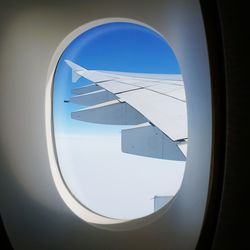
104, 179
122, 47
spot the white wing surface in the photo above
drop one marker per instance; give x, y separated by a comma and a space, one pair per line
154, 104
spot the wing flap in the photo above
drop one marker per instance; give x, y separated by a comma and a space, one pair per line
149, 141
86, 89
112, 113
93, 98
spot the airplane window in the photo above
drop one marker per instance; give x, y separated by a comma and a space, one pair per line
119, 120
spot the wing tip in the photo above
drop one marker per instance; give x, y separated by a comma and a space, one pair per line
74, 66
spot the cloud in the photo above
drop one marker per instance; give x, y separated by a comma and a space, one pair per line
113, 183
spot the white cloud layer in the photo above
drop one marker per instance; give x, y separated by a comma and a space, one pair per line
113, 183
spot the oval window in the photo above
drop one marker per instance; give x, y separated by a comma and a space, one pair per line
120, 122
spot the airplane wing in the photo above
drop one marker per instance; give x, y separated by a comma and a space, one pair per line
153, 104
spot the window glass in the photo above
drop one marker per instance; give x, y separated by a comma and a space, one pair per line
119, 117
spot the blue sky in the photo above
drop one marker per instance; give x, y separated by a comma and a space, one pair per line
116, 46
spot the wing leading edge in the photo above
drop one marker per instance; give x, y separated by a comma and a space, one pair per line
154, 105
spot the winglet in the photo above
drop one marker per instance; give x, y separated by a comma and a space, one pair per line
75, 68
